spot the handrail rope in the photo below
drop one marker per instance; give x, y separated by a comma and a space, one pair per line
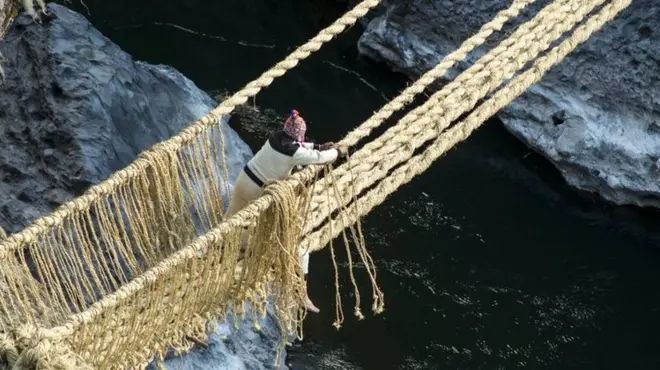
449, 61
461, 131
447, 105
507, 48
187, 135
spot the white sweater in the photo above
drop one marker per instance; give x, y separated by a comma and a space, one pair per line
280, 154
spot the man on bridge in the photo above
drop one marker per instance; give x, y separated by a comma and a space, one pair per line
283, 150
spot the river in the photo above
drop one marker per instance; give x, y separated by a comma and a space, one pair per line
487, 261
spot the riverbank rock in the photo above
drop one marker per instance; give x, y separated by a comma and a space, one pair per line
596, 116
74, 108
233, 348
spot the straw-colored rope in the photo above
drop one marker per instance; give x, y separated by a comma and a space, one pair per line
439, 111
124, 274
436, 114
428, 78
365, 129
427, 121
421, 162
209, 283
502, 62
8, 10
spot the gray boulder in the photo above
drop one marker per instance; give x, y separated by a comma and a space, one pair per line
74, 108
596, 116
234, 348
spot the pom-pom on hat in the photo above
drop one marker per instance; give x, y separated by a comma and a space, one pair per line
295, 126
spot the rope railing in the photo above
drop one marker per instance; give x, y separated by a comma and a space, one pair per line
461, 131
426, 122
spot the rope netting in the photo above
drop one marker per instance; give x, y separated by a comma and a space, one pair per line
118, 229
143, 261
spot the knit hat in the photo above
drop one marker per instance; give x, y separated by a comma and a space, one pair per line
295, 126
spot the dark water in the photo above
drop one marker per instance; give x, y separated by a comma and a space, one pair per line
487, 261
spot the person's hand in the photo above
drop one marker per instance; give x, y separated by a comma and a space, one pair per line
342, 150
328, 145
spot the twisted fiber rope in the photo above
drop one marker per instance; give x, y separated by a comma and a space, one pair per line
535, 35
70, 263
399, 142
462, 131
138, 167
510, 47
81, 261
364, 130
37, 352
8, 351
8, 11
409, 94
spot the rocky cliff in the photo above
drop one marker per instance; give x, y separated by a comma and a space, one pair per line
74, 108
596, 116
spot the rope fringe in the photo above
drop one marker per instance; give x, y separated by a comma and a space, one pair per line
143, 263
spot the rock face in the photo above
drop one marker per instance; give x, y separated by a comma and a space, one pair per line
74, 108
241, 349
596, 116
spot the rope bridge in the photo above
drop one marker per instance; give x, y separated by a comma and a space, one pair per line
143, 261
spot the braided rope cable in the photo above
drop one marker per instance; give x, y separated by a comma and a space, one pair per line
419, 163
426, 122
